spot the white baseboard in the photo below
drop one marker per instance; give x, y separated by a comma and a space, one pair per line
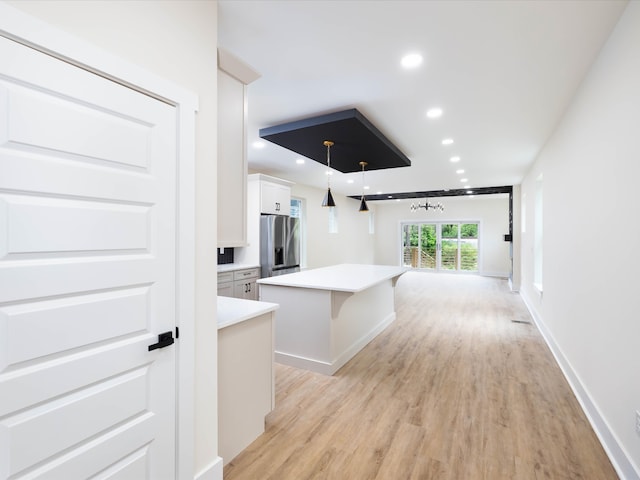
362, 342
494, 274
303, 362
619, 459
212, 472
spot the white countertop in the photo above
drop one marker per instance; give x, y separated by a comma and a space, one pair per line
344, 277
229, 267
235, 310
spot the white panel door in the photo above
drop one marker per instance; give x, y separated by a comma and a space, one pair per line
87, 274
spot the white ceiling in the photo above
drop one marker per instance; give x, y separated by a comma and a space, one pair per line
502, 71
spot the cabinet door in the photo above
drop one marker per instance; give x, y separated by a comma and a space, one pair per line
226, 289
232, 165
275, 199
253, 290
245, 289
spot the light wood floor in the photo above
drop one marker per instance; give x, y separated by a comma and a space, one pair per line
453, 389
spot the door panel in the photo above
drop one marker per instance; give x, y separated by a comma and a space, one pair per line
55, 426
37, 225
121, 140
87, 268
38, 329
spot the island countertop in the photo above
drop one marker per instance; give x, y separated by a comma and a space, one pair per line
344, 277
236, 310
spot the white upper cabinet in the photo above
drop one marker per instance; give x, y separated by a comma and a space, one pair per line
233, 77
273, 195
275, 199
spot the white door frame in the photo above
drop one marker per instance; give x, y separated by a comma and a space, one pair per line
34, 33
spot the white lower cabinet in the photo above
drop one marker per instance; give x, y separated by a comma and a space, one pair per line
239, 283
246, 379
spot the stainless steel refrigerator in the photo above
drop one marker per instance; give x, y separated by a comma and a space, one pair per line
279, 245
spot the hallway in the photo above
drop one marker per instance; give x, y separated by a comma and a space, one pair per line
458, 387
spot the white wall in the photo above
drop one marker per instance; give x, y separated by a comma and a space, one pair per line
589, 309
492, 211
352, 243
176, 40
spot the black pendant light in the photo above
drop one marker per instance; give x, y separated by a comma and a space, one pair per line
363, 202
328, 198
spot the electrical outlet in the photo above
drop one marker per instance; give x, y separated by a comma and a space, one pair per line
638, 422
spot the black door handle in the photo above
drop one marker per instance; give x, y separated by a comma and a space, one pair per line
164, 340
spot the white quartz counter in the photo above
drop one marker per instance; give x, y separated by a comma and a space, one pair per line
342, 278
236, 310
229, 267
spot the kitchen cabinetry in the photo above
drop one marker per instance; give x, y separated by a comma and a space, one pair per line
244, 283
264, 193
239, 283
273, 195
275, 199
233, 78
246, 377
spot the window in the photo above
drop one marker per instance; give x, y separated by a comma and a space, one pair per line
333, 219
298, 210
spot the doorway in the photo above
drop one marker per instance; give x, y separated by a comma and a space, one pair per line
441, 246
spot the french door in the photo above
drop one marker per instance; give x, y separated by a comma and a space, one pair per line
441, 246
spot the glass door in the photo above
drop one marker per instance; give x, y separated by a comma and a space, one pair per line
419, 245
448, 246
469, 247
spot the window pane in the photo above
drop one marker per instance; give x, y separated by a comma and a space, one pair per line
428, 246
469, 255
410, 245
449, 254
450, 230
469, 230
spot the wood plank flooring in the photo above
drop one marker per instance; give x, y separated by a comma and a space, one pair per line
453, 389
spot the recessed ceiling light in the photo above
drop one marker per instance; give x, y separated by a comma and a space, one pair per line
454, 159
447, 141
464, 180
350, 180
397, 199
259, 144
378, 193
412, 60
434, 112
389, 196
300, 161
467, 186
366, 187
459, 171
469, 192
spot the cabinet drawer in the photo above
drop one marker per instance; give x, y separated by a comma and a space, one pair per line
245, 274
225, 277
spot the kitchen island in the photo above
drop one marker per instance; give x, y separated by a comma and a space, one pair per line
329, 314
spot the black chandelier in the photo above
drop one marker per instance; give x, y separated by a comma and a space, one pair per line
434, 206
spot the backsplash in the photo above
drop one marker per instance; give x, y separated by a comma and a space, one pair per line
226, 256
